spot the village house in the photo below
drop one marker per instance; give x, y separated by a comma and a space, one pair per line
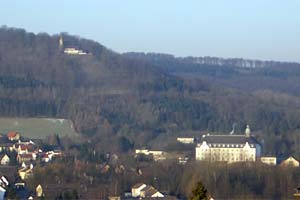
290, 162
269, 160
13, 136
5, 160
136, 189
3, 186
228, 148
186, 140
183, 160
25, 147
74, 51
6, 147
145, 191
150, 191
26, 157
26, 172
39, 191
157, 155
45, 157
3, 181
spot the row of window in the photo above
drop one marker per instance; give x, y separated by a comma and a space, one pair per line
241, 158
229, 145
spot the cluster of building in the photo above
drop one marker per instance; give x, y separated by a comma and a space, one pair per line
236, 148
229, 148
21, 191
71, 50
27, 153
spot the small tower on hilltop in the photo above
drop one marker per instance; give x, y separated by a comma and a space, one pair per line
61, 42
247, 131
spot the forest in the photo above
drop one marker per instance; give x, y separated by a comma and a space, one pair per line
126, 101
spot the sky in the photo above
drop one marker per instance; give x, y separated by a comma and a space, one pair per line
255, 29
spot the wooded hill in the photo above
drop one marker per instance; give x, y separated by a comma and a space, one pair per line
126, 101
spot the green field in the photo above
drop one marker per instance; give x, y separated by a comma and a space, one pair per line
38, 128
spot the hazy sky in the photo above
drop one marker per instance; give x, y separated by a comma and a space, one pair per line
262, 29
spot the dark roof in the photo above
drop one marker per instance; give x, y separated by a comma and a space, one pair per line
149, 191
229, 139
137, 185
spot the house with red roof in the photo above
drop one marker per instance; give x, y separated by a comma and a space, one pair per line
26, 157
23, 148
13, 136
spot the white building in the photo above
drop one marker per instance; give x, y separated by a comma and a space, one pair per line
291, 162
5, 160
145, 191
151, 192
136, 189
186, 140
228, 148
74, 51
157, 155
269, 160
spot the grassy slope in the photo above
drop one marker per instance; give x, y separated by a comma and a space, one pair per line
37, 127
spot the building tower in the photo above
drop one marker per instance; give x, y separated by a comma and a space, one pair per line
61, 42
247, 131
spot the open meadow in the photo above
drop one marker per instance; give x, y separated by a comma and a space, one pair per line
38, 128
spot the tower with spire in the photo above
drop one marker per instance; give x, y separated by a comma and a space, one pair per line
248, 131
61, 42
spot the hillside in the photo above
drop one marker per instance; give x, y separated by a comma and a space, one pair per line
127, 101
245, 74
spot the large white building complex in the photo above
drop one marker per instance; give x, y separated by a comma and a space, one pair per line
228, 148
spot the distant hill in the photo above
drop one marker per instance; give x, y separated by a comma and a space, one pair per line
212, 61
245, 74
125, 101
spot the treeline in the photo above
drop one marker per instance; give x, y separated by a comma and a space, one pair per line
114, 177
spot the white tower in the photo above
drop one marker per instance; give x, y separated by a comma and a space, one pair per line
247, 131
61, 42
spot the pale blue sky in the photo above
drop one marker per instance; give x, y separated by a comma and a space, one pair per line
262, 29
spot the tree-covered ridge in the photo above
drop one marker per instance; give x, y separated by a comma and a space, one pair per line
243, 74
122, 102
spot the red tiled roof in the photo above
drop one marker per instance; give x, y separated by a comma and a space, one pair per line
29, 147
27, 155
12, 134
44, 155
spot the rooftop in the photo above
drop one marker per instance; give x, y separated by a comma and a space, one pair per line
137, 185
229, 139
12, 134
